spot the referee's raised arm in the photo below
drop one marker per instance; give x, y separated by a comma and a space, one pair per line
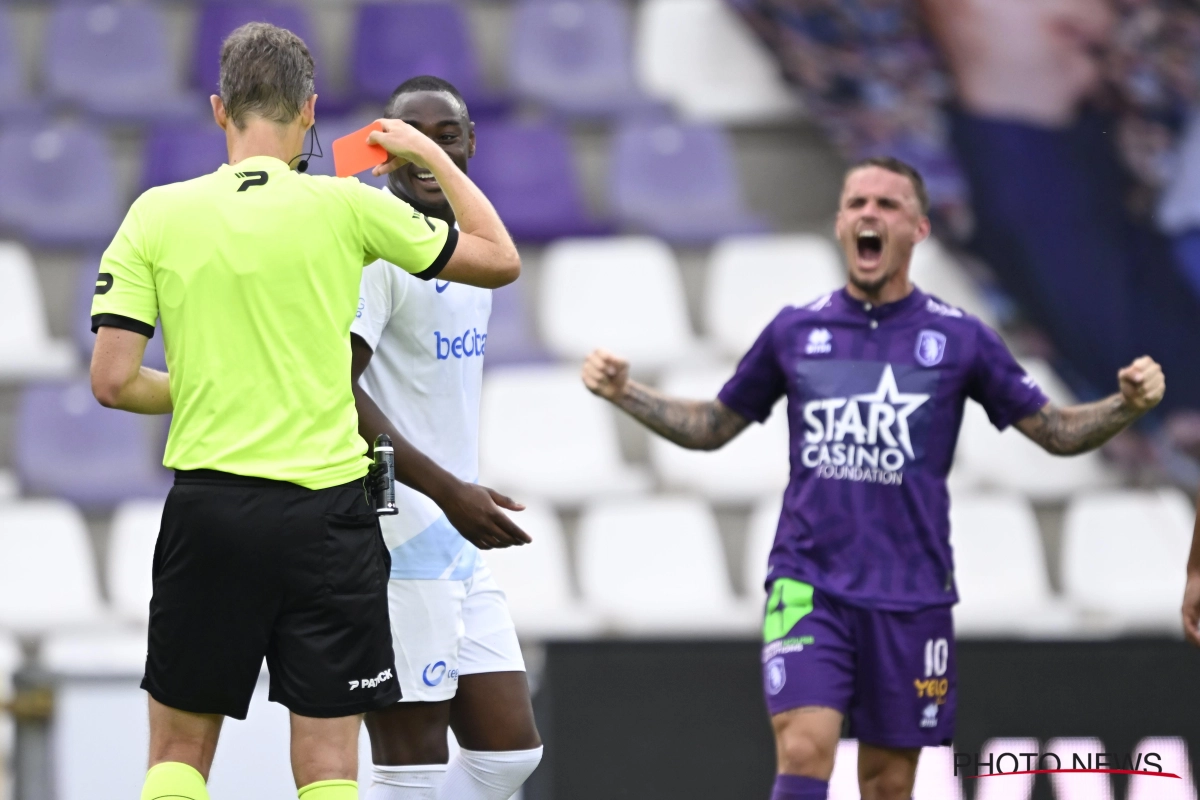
269, 547
485, 255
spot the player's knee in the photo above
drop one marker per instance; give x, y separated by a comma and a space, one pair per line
802, 752
892, 784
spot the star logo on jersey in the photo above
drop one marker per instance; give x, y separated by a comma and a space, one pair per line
863, 437
441, 286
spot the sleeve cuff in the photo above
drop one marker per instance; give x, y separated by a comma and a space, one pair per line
124, 323
439, 263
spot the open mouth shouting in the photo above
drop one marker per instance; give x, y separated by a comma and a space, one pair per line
869, 246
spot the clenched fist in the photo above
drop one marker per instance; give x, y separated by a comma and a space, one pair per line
1142, 384
605, 374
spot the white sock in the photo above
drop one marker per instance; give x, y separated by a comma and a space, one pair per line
418, 782
476, 775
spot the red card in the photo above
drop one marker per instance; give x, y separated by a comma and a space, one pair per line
352, 154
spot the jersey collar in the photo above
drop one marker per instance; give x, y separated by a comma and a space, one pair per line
268, 164
860, 308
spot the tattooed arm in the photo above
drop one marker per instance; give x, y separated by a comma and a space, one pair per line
694, 424
1077, 429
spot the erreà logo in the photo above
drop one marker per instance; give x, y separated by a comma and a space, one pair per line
256, 178
820, 342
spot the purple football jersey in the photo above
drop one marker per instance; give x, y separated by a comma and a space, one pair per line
875, 399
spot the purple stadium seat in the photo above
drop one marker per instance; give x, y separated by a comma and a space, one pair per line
528, 173
397, 41
59, 185
574, 56
69, 446
113, 61
81, 319
14, 99
218, 20
678, 181
180, 152
511, 337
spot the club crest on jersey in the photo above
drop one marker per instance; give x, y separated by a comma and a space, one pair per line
820, 342
931, 346
864, 437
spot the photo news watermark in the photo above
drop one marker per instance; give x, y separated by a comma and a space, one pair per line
974, 765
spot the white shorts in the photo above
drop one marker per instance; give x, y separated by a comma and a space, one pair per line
445, 628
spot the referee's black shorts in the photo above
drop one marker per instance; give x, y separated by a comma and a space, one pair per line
248, 567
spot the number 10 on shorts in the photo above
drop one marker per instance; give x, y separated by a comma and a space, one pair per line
937, 657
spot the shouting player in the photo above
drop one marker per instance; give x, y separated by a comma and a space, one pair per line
860, 581
418, 366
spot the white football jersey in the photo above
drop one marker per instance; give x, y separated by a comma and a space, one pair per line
428, 339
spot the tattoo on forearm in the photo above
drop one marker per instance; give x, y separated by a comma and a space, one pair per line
694, 424
1078, 429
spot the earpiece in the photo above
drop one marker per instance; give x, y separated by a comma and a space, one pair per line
313, 141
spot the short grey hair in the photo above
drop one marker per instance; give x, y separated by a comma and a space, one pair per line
266, 72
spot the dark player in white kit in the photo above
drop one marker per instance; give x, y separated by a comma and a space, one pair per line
861, 578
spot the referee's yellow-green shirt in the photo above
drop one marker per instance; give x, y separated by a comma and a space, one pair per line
254, 271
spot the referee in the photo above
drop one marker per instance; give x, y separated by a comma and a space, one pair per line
268, 545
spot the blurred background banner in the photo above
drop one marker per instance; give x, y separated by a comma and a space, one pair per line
670, 170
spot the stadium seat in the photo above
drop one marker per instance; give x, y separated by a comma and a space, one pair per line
1173, 752
26, 349
938, 273
511, 335
106, 654
528, 172
336, 128
1123, 556
751, 278
624, 294
1009, 461
760, 538
15, 101
678, 181
397, 41
132, 537
1014, 786
47, 577
1000, 570
48, 198
656, 566
1079, 786
179, 152
574, 56
68, 445
537, 580
754, 464
218, 20
701, 57
542, 434
81, 319
112, 60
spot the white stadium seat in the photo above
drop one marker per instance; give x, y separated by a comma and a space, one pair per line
543, 434
760, 538
111, 653
26, 350
47, 578
1123, 556
656, 566
1173, 753
1079, 786
1000, 569
990, 459
700, 56
131, 558
751, 278
621, 293
536, 577
937, 272
754, 464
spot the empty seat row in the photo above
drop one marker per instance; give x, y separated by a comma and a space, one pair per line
658, 565
573, 56
527, 169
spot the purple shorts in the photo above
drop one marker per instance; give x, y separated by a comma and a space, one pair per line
891, 673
